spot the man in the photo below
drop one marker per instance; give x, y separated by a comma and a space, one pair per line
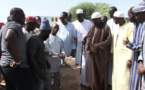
136, 47
54, 45
30, 25
139, 11
38, 19
111, 24
98, 46
82, 27
2, 81
37, 56
121, 54
104, 19
14, 66
67, 34
69, 18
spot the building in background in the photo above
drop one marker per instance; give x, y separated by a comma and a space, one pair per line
52, 19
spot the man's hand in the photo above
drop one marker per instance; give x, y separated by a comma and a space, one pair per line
62, 55
13, 64
75, 40
141, 68
93, 49
85, 39
47, 53
125, 41
129, 63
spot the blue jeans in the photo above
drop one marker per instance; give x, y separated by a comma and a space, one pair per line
17, 78
40, 84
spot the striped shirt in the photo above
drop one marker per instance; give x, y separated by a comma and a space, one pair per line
136, 47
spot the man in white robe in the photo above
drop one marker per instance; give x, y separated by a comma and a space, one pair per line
67, 34
54, 45
82, 27
122, 56
111, 24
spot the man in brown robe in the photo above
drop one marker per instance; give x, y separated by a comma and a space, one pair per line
98, 46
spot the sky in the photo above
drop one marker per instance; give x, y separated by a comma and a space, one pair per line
55, 7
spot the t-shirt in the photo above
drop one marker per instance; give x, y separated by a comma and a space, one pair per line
35, 44
21, 41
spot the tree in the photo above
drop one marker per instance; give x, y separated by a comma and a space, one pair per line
103, 8
89, 8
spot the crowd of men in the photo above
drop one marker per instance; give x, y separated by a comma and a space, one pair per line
111, 53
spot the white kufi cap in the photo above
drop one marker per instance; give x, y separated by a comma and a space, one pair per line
79, 11
96, 15
119, 14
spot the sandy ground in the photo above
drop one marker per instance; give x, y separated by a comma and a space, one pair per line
70, 78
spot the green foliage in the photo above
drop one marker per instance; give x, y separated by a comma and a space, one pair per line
89, 8
103, 8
